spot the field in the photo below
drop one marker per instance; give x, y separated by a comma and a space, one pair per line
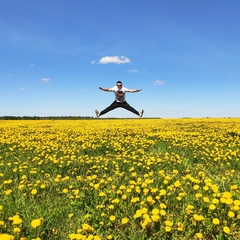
120, 179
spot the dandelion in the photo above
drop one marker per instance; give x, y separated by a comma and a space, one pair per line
124, 196
199, 235
226, 229
196, 187
102, 194
138, 214
177, 183
155, 211
198, 195
206, 199
125, 220
198, 217
16, 220
155, 218
16, 230
168, 229
163, 212
231, 214
34, 192
36, 223
65, 190
87, 227
6, 237
112, 218
212, 207
215, 221
162, 192
180, 226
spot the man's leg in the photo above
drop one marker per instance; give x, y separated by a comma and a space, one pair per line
110, 108
129, 108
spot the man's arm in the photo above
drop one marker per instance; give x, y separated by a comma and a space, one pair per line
134, 90
105, 89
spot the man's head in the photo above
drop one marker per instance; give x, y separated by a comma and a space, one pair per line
119, 84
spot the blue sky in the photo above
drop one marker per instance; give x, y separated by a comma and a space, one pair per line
185, 55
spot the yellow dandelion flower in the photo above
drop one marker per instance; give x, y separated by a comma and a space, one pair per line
236, 202
124, 196
102, 194
112, 218
177, 183
215, 221
168, 229
231, 214
155, 211
34, 191
16, 230
125, 220
199, 235
212, 206
168, 223
162, 192
226, 229
206, 199
162, 205
16, 220
6, 237
196, 187
155, 218
36, 223
163, 212
198, 217
180, 226
87, 227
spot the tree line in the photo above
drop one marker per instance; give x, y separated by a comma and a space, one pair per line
42, 118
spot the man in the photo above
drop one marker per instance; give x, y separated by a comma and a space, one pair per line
120, 100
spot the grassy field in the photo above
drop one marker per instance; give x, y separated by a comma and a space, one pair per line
120, 179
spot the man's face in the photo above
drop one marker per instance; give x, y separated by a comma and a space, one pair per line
119, 85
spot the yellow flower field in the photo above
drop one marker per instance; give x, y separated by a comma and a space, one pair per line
120, 179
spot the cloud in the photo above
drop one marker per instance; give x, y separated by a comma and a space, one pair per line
158, 82
113, 59
46, 80
133, 71
22, 88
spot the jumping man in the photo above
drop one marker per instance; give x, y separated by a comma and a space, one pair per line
120, 100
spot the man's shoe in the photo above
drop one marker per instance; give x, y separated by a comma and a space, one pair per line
97, 113
141, 113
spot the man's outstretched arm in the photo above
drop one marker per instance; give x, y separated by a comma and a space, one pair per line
134, 90
105, 89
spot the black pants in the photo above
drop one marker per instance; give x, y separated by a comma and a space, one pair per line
119, 104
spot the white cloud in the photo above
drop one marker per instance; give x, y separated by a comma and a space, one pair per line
46, 80
158, 82
22, 88
113, 59
133, 70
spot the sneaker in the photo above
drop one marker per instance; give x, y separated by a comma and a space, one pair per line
141, 113
97, 113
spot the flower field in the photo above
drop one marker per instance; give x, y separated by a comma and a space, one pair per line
120, 179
